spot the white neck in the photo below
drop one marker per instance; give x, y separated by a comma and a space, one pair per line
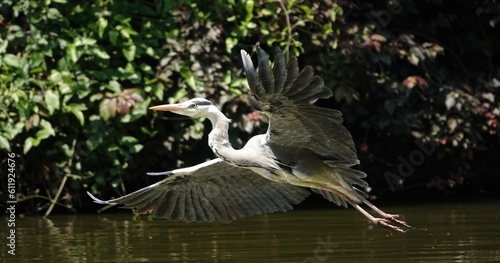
218, 139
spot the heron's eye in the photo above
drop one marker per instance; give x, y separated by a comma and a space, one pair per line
193, 106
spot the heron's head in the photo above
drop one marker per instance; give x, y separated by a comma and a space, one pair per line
194, 108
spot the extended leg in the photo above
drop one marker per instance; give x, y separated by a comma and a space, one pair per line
385, 215
348, 196
379, 221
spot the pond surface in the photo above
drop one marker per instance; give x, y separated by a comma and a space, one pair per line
443, 233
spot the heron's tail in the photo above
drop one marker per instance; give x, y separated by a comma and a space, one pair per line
346, 178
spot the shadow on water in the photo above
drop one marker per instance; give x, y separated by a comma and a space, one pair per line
443, 233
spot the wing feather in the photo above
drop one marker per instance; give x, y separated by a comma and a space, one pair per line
189, 213
293, 121
178, 212
297, 127
252, 76
255, 206
331, 197
314, 87
166, 205
292, 75
279, 70
197, 206
248, 201
232, 198
218, 209
265, 73
273, 204
212, 191
205, 206
306, 76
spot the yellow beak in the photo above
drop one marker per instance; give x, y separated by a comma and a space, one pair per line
167, 107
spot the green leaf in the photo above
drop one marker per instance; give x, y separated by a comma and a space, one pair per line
114, 86
55, 76
266, 12
52, 101
126, 31
11, 60
152, 52
251, 25
100, 53
188, 76
4, 144
40, 136
104, 109
129, 52
54, 14
71, 52
151, 133
94, 141
181, 93
97, 96
47, 126
79, 115
11, 131
67, 151
137, 148
337, 9
3, 46
157, 90
249, 5
307, 11
230, 43
28, 143
85, 41
128, 139
113, 37
102, 23
75, 107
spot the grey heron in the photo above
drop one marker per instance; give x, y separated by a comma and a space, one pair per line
305, 147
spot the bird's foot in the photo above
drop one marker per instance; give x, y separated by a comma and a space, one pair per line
394, 218
387, 224
388, 217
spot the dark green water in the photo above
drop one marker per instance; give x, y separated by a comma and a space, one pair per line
443, 233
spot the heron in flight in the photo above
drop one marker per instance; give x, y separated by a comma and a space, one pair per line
305, 147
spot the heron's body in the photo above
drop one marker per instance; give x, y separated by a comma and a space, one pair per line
305, 147
297, 166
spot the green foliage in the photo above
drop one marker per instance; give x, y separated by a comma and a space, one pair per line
77, 78
69, 78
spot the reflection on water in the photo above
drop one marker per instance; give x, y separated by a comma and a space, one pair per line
443, 233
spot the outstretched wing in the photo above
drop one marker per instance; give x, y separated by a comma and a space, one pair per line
211, 191
286, 96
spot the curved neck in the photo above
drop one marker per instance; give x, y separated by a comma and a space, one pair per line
218, 139
219, 135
